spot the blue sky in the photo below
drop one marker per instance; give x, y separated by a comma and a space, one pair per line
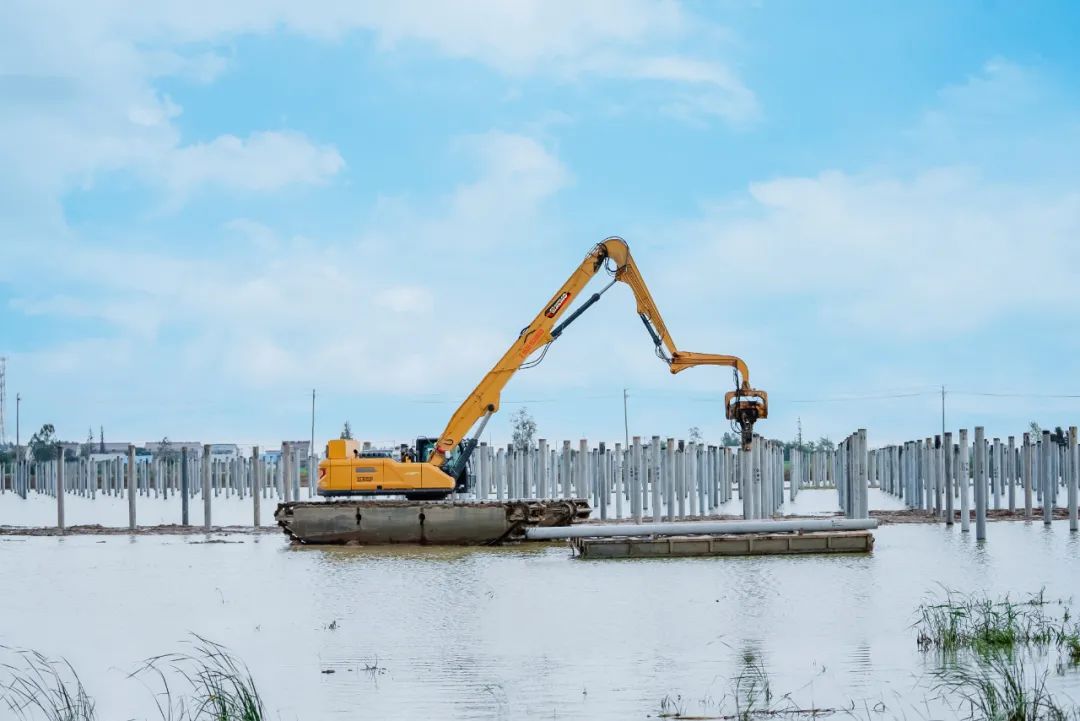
209, 209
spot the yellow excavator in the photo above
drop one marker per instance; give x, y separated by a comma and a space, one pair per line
441, 464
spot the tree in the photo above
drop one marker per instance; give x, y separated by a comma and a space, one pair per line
88, 447
695, 434
43, 443
730, 439
1035, 431
346, 432
165, 451
524, 429
825, 444
798, 445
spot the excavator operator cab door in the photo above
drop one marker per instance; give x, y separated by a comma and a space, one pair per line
425, 447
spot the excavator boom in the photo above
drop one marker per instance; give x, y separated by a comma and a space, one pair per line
743, 405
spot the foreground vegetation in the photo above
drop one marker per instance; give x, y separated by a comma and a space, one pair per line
993, 663
994, 653
984, 625
205, 684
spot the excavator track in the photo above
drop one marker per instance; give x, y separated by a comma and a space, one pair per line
453, 523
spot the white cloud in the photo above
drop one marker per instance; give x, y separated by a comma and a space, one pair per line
135, 318
944, 249
524, 37
517, 176
701, 90
304, 311
78, 82
405, 299
953, 235
1005, 118
261, 162
78, 88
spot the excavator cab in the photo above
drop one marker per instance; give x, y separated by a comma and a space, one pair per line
746, 406
456, 467
424, 448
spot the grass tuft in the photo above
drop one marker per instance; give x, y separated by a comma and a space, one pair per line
42, 688
753, 692
208, 685
215, 686
998, 687
987, 626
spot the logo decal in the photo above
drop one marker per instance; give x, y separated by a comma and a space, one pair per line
531, 342
554, 308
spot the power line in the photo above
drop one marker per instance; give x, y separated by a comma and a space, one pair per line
843, 399
684, 395
1015, 395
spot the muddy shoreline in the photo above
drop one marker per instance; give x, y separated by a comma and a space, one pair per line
885, 518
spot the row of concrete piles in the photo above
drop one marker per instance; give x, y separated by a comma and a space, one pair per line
848, 469
942, 477
657, 479
186, 476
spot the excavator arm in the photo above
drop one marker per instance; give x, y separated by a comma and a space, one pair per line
744, 405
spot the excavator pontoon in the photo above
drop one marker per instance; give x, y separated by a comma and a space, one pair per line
441, 464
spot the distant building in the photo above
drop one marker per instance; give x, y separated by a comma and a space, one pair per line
114, 456
300, 448
97, 451
194, 448
224, 451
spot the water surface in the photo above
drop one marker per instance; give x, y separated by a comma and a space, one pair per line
523, 632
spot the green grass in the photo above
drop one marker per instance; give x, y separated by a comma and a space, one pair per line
205, 684
1072, 647
753, 691
213, 686
985, 625
999, 687
37, 687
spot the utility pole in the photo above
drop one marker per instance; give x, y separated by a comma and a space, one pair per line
943, 411
311, 451
625, 419
18, 402
3, 399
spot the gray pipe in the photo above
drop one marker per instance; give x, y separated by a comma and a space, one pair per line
699, 527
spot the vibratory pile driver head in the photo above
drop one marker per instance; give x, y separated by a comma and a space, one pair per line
745, 407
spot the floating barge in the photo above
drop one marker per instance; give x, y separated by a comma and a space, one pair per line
449, 523
754, 544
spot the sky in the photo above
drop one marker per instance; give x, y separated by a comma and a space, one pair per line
208, 210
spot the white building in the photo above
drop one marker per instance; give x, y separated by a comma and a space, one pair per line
194, 448
224, 451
